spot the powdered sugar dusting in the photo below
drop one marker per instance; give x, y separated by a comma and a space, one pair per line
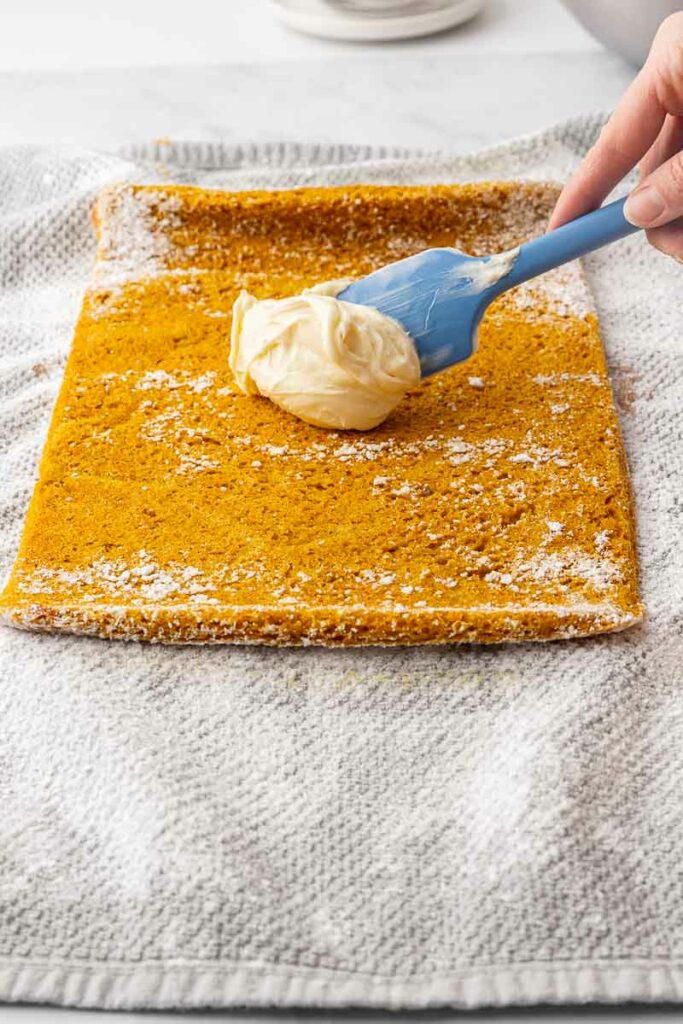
144, 579
135, 242
561, 293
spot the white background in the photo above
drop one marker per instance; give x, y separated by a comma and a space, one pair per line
77, 34
136, 70
107, 73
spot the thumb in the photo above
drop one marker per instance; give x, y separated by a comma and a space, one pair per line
658, 199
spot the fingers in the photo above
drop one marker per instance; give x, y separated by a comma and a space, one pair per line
647, 126
626, 137
668, 239
668, 142
633, 128
665, 62
659, 198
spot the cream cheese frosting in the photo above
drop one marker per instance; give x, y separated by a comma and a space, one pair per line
488, 270
332, 363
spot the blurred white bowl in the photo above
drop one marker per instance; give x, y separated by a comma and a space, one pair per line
374, 20
627, 26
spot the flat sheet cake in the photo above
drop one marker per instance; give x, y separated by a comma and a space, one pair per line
493, 505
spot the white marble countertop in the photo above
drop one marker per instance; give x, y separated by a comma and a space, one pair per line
428, 102
106, 75
519, 66
69, 36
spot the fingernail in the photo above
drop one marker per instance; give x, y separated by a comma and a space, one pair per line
644, 206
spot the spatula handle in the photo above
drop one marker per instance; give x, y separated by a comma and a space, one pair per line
574, 239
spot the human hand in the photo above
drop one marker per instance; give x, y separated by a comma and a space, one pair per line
647, 126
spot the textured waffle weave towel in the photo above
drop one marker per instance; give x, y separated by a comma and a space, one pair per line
411, 827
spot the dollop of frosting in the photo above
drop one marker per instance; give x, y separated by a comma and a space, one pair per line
332, 363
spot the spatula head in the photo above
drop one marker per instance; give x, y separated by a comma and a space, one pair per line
438, 296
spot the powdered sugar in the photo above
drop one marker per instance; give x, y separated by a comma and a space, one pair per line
143, 579
561, 292
160, 379
135, 243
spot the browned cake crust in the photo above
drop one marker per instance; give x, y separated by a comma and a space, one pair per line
493, 505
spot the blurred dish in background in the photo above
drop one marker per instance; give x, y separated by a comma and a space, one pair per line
374, 20
627, 26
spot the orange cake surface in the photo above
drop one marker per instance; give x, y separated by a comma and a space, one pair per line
493, 504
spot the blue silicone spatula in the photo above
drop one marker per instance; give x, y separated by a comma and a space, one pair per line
440, 295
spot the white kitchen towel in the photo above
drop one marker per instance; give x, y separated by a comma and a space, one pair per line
405, 828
